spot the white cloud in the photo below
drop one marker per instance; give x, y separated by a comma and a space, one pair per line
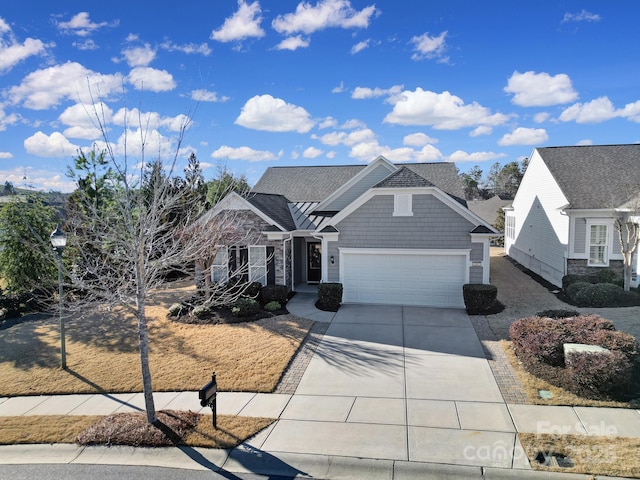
139, 56
325, 14
595, 111
202, 95
54, 145
426, 46
151, 79
368, 151
81, 25
339, 89
188, 48
149, 120
586, 141
264, 112
83, 115
353, 123
312, 152
481, 130
583, 16
360, 46
533, 89
293, 43
418, 140
541, 117
333, 139
245, 23
328, 122
331, 155
462, 156
43, 180
143, 143
360, 93
243, 153
13, 52
6, 155
442, 111
6, 120
87, 45
45, 88
525, 136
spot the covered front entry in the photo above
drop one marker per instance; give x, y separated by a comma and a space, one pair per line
403, 277
314, 262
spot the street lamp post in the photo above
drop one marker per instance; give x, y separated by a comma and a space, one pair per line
59, 241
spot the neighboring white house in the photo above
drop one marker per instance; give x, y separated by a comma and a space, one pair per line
562, 218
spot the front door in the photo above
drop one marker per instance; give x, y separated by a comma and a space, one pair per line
314, 262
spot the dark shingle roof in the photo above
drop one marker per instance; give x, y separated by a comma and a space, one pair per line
314, 184
488, 209
403, 177
595, 176
275, 207
305, 184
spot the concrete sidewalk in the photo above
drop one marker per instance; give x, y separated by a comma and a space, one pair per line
391, 392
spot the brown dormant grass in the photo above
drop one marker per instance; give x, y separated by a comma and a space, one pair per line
102, 353
131, 429
607, 455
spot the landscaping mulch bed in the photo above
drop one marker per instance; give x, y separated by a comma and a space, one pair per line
224, 316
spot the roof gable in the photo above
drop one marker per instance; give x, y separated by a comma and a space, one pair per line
594, 176
404, 178
357, 185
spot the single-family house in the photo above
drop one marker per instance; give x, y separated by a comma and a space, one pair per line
390, 233
562, 219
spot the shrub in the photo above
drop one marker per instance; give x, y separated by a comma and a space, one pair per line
176, 310
599, 373
274, 293
558, 313
538, 343
245, 307
613, 340
272, 306
329, 296
479, 298
247, 290
575, 287
599, 295
201, 311
572, 278
607, 275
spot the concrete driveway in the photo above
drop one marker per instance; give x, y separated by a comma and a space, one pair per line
397, 383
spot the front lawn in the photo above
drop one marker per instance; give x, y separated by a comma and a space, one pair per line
102, 353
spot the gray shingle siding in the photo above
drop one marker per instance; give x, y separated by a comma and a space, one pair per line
477, 252
580, 235
358, 189
433, 225
475, 275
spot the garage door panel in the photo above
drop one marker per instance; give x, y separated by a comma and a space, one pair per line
404, 279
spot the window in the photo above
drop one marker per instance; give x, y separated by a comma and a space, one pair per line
402, 205
510, 227
220, 266
258, 264
598, 247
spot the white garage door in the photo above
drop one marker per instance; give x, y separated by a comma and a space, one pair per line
403, 277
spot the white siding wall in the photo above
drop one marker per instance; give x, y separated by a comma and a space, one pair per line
541, 230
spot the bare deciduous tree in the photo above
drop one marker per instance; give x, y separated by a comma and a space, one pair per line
123, 247
627, 224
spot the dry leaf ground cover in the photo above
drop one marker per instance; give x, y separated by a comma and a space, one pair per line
102, 352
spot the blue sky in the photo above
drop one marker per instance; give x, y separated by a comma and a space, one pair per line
325, 82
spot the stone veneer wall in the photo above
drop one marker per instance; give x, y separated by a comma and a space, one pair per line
579, 267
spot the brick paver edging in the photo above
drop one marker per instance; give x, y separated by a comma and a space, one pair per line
506, 378
298, 364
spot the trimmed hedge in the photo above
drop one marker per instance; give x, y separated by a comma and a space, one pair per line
538, 344
599, 295
329, 296
479, 297
274, 293
245, 307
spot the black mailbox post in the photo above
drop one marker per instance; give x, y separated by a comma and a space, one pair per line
207, 396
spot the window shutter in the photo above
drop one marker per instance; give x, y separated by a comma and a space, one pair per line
244, 264
271, 266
